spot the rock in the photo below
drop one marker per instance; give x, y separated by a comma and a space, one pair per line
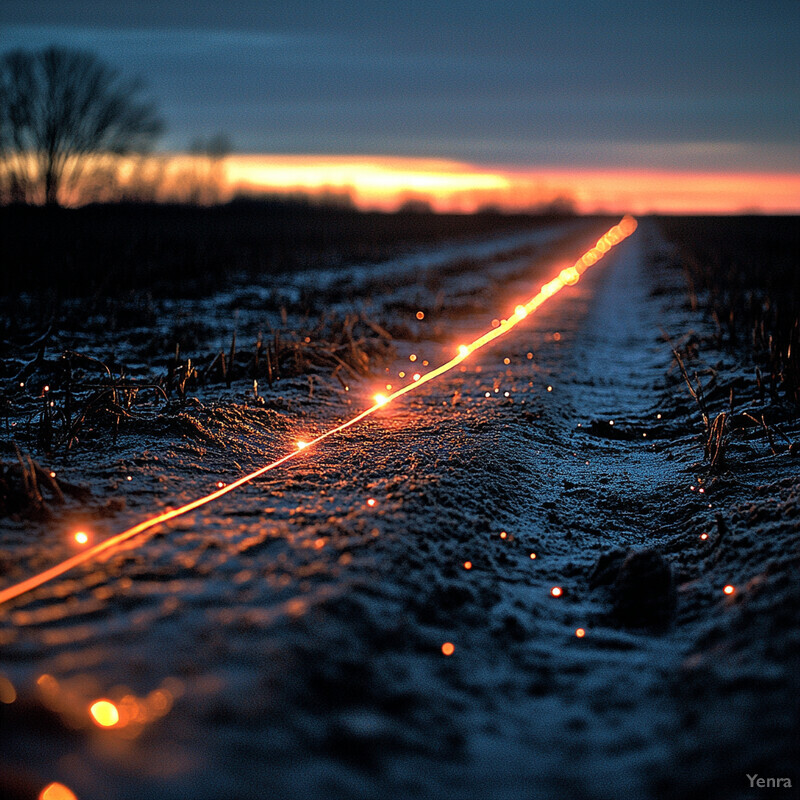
606, 568
643, 590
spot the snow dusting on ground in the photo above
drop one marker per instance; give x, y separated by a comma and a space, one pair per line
294, 629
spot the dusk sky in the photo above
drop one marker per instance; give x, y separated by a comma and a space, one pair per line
504, 87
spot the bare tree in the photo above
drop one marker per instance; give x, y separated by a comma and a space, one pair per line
62, 112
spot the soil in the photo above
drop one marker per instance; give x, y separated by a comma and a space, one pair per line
287, 640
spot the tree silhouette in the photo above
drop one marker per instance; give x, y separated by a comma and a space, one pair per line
63, 111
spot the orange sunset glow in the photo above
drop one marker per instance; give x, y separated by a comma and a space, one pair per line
385, 182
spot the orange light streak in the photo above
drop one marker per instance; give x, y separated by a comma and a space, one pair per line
567, 277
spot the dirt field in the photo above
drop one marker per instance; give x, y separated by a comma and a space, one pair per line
286, 641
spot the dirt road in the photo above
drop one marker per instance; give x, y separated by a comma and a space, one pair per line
287, 641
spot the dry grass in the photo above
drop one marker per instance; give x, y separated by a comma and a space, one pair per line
28, 490
742, 272
58, 403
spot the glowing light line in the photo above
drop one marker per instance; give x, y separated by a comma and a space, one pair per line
567, 277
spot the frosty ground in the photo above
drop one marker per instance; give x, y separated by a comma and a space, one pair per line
297, 629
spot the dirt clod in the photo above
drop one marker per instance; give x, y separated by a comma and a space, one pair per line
606, 568
643, 591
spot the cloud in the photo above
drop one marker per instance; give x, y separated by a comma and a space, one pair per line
520, 84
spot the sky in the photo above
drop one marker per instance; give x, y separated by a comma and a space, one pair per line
516, 93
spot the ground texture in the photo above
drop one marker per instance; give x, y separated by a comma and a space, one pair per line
286, 641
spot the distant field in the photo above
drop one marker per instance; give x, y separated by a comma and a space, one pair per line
186, 250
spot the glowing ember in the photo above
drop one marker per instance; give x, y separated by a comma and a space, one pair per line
8, 694
56, 791
412, 357
566, 277
704, 536
104, 713
533, 556
448, 648
371, 502
420, 315
580, 633
503, 534
729, 589
416, 376
81, 537
556, 591
467, 565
